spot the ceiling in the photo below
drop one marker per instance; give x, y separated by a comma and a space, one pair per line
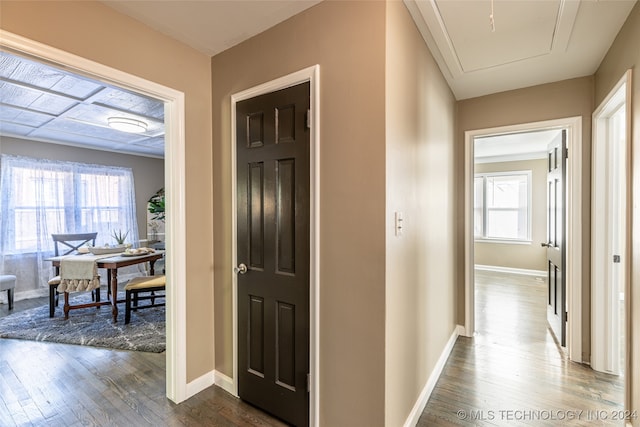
534, 42
43, 103
211, 26
514, 146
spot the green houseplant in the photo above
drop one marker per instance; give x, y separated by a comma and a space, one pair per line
155, 205
119, 236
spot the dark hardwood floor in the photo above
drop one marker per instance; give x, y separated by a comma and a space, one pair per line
512, 373
48, 384
21, 305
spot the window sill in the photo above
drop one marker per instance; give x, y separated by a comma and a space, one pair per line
505, 241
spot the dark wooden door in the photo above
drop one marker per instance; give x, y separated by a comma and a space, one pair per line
273, 243
556, 219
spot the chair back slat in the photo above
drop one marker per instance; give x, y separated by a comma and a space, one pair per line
71, 242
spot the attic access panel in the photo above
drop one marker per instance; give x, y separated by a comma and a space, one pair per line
524, 29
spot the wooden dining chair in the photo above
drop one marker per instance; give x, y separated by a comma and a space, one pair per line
66, 244
140, 289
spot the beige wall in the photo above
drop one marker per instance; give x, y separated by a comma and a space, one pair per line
148, 173
420, 264
525, 256
96, 32
347, 40
568, 98
624, 54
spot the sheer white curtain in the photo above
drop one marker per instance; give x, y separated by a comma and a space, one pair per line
41, 197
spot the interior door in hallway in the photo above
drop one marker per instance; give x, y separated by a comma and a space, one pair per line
555, 244
273, 190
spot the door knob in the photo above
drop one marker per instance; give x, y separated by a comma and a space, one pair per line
241, 269
546, 245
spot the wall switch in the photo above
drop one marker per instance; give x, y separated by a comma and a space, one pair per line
398, 223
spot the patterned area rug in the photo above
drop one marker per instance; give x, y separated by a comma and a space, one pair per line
89, 326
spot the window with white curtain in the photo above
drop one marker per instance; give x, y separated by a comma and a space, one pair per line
502, 206
43, 197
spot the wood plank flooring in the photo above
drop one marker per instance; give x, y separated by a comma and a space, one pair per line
47, 384
512, 373
512, 365
24, 304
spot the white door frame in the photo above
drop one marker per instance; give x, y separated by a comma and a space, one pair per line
174, 165
311, 75
574, 226
601, 357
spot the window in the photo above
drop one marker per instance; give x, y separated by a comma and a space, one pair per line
502, 206
43, 197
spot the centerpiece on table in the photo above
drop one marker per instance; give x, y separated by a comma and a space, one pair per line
121, 246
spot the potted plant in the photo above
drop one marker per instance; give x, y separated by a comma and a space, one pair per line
155, 206
119, 236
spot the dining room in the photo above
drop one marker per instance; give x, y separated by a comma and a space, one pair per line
78, 156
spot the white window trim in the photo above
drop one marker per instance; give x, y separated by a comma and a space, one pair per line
484, 238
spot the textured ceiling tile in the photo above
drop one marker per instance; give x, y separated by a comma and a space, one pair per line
12, 129
73, 109
151, 108
8, 64
25, 117
53, 104
135, 103
8, 113
77, 87
32, 118
99, 115
90, 113
36, 74
17, 96
88, 131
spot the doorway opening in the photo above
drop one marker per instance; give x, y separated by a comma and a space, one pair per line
610, 245
573, 233
511, 228
174, 107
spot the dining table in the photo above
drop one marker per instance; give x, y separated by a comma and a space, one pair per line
111, 264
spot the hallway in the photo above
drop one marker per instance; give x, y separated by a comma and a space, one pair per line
513, 373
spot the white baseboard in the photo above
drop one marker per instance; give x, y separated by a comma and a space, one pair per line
511, 270
200, 383
207, 380
224, 382
420, 404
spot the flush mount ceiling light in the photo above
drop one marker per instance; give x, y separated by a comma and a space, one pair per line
126, 124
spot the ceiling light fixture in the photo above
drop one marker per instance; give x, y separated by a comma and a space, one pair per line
126, 124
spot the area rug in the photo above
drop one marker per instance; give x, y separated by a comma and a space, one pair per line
89, 326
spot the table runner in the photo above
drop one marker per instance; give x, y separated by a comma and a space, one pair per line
80, 272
